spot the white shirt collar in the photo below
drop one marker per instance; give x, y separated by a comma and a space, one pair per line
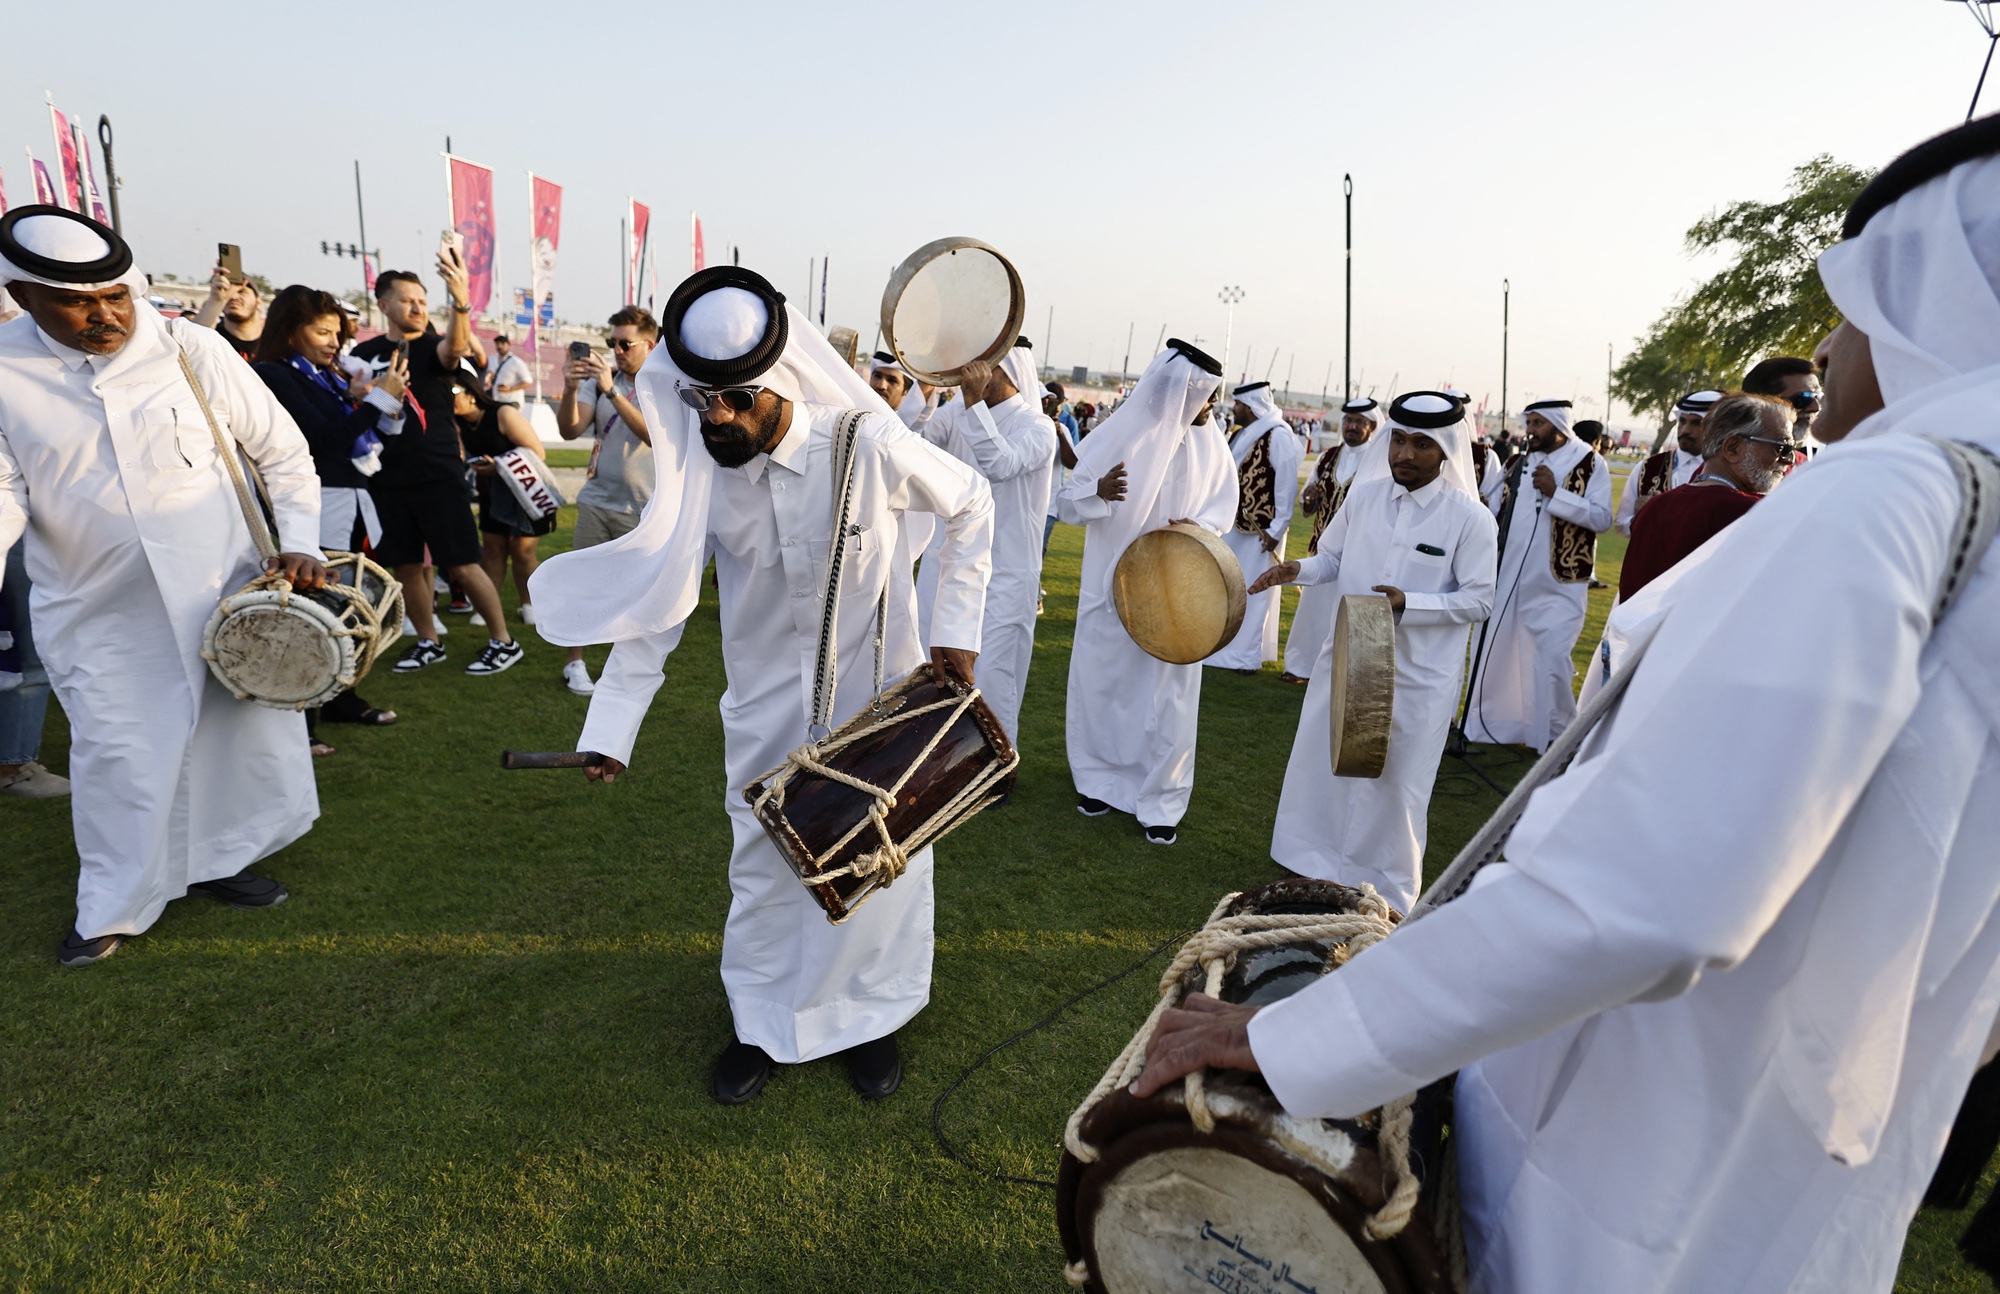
1425, 495
72, 358
789, 452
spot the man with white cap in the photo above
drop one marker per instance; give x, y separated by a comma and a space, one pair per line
1413, 530
1558, 502
1002, 432
1131, 717
745, 399
1673, 466
1312, 618
134, 531
1723, 1051
913, 401
1267, 458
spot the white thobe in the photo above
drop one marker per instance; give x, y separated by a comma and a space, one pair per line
1493, 481
1257, 640
134, 534
938, 430
1721, 1051
1685, 466
1014, 447
1131, 718
798, 986
1524, 689
1312, 618
1372, 829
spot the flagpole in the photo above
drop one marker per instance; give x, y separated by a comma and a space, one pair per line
360, 220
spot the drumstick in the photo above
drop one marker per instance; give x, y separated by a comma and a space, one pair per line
551, 759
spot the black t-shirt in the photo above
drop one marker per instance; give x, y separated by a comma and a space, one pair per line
244, 348
428, 450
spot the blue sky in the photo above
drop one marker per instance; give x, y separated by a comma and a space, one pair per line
1132, 159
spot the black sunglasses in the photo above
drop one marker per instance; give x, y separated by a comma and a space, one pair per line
737, 398
620, 343
1805, 399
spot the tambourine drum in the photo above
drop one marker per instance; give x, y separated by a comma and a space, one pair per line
951, 302
1265, 1201
289, 650
1364, 684
1179, 593
934, 756
846, 343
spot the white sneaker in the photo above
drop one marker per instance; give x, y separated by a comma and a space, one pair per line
410, 628
576, 677
527, 613
440, 585
33, 782
477, 619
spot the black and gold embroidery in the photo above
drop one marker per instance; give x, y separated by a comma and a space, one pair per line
1257, 490
1573, 548
1656, 477
1330, 496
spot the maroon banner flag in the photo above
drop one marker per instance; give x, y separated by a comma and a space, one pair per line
470, 188
45, 188
700, 256
71, 190
639, 253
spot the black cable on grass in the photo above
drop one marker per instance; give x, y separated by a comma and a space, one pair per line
937, 1109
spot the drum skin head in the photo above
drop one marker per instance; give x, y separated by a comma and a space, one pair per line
1179, 593
1257, 1230
1364, 685
950, 302
281, 651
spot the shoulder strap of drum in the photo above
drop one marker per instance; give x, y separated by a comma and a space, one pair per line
260, 533
1978, 518
846, 434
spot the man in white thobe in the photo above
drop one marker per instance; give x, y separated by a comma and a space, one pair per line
1312, 618
1414, 530
749, 481
1267, 458
1723, 1052
1002, 433
134, 533
1559, 501
1673, 466
1131, 718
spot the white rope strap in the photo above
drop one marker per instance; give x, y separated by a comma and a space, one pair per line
1215, 948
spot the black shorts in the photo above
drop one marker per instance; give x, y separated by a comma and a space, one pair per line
500, 513
435, 514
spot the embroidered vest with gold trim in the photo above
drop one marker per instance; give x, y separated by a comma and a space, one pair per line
1331, 494
1656, 477
1257, 489
1573, 548
1479, 451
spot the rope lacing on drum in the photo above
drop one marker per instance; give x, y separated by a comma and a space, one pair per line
1215, 948
890, 858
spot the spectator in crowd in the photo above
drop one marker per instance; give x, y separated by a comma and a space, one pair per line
422, 492
233, 309
490, 427
22, 705
598, 396
1063, 415
1796, 382
507, 375
344, 420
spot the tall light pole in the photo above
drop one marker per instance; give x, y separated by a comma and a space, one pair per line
1125, 369
1229, 296
1347, 329
1506, 292
1607, 391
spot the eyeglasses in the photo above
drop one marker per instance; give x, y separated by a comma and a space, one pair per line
1806, 399
1786, 448
738, 398
621, 344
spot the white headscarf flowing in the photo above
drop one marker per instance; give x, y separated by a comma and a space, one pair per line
1261, 403
915, 407
649, 580
1019, 366
1143, 433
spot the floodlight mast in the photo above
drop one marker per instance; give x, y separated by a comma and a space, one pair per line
1982, 13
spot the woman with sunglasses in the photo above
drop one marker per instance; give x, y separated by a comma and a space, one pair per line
344, 419
508, 532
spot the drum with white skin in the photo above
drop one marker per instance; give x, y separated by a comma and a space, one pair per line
289, 650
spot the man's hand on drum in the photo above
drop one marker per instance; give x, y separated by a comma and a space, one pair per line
1200, 1033
305, 573
1394, 594
1282, 573
972, 380
952, 662
1111, 485
608, 771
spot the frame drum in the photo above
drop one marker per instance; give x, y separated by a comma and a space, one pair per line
1364, 684
1179, 592
951, 302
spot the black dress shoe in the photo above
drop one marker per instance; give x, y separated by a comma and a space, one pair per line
740, 1073
1090, 808
75, 950
876, 1068
245, 890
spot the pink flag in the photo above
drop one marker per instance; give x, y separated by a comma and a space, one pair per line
3, 195
641, 226
94, 198
545, 202
72, 177
45, 188
700, 257
368, 271
471, 191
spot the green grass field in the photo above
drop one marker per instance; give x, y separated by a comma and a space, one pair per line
472, 1052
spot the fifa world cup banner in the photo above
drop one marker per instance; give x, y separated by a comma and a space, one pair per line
640, 254
471, 192
545, 198
67, 164
45, 188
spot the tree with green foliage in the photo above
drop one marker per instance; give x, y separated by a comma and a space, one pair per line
1767, 301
